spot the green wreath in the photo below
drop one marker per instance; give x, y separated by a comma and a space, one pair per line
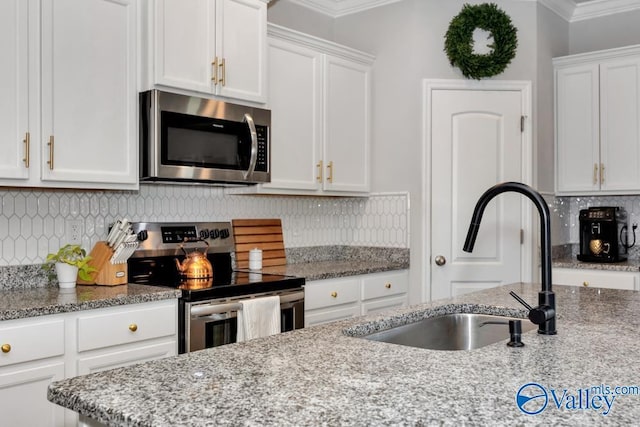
459, 40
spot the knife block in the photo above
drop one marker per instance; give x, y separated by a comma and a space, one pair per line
107, 274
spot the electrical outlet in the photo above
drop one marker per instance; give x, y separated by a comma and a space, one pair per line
74, 231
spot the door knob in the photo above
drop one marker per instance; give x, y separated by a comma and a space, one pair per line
440, 260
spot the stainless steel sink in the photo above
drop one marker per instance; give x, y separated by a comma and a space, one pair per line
457, 331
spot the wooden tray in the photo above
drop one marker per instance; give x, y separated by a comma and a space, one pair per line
265, 234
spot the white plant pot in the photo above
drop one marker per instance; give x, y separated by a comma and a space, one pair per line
67, 275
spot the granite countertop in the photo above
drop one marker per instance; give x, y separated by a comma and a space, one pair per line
333, 269
322, 376
32, 302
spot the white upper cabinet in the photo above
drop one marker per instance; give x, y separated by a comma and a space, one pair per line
319, 97
346, 125
598, 122
14, 89
70, 100
212, 46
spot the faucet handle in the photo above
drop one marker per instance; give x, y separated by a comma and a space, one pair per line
538, 315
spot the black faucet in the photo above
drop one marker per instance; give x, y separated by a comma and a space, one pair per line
544, 315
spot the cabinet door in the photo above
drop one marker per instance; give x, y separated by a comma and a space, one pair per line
620, 124
184, 48
295, 100
241, 44
89, 94
346, 125
14, 89
577, 129
23, 393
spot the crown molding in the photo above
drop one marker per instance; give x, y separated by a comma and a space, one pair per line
338, 8
598, 8
568, 10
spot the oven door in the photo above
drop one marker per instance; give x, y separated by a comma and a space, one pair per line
213, 323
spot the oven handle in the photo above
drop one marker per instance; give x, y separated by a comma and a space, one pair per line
209, 309
254, 146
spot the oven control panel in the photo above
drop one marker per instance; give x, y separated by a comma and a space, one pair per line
163, 238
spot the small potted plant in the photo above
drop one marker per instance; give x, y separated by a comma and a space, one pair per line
70, 262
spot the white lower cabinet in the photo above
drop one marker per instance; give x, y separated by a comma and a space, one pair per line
596, 278
32, 356
37, 351
337, 299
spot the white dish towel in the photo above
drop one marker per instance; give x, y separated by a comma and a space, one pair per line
258, 317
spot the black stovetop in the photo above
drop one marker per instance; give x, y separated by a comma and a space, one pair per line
226, 283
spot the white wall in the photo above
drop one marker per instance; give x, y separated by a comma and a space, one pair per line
607, 32
300, 18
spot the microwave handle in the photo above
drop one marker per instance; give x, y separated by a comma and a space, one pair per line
254, 146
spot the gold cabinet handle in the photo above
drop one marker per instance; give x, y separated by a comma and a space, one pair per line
601, 173
223, 72
50, 144
214, 71
133, 327
334, 294
585, 284
330, 175
595, 173
387, 285
26, 141
6, 348
319, 176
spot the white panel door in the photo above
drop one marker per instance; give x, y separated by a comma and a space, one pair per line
241, 42
577, 128
89, 93
295, 100
476, 143
346, 125
620, 124
14, 89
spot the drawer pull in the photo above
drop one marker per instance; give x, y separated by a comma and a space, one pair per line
388, 285
585, 283
133, 327
334, 294
6, 348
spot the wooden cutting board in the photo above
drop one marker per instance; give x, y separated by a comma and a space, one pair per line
265, 234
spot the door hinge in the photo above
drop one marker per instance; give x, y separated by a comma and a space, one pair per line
522, 123
521, 236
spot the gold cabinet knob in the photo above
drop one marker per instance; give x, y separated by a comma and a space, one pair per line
387, 285
133, 327
585, 284
334, 294
6, 348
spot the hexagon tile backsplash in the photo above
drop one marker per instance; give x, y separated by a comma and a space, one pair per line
34, 222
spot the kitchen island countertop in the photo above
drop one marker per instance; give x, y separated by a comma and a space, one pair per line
323, 376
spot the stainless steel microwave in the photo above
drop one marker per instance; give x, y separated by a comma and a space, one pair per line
193, 139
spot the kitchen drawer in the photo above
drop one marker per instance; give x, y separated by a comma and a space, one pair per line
326, 315
125, 325
329, 293
30, 339
595, 278
385, 284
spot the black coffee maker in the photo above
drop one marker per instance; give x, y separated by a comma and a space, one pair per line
601, 233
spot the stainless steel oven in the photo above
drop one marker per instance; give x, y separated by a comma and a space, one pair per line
207, 308
195, 139
214, 322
